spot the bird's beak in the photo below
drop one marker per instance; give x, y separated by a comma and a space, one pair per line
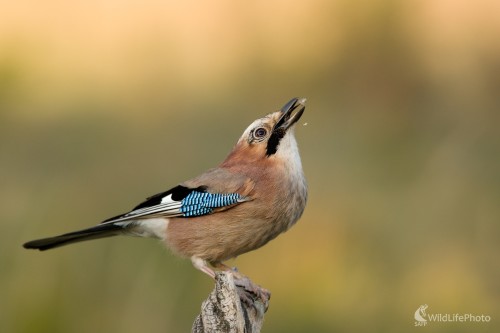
287, 120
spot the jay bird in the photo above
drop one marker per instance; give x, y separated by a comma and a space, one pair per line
255, 194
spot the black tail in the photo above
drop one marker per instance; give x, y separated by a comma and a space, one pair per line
99, 231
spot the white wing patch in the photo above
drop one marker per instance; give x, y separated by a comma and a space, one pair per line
167, 199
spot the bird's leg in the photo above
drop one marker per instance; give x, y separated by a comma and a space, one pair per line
202, 265
223, 267
247, 290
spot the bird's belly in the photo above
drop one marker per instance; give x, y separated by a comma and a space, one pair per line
214, 239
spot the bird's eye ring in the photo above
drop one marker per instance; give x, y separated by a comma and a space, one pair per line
260, 133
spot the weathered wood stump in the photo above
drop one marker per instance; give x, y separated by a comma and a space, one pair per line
236, 305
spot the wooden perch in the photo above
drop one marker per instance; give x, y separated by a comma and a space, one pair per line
236, 305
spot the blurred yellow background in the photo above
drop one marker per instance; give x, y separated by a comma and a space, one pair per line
103, 103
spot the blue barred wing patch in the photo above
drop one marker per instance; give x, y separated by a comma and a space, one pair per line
202, 203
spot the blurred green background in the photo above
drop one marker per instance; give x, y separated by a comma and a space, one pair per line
103, 103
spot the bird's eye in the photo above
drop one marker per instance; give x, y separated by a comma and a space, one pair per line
260, 133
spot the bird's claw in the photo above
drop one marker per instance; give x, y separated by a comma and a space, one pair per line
249, 292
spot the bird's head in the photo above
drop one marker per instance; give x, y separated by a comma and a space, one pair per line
271, 136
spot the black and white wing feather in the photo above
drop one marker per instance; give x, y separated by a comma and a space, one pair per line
180, 202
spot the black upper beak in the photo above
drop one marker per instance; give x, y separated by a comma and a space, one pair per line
287, 120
